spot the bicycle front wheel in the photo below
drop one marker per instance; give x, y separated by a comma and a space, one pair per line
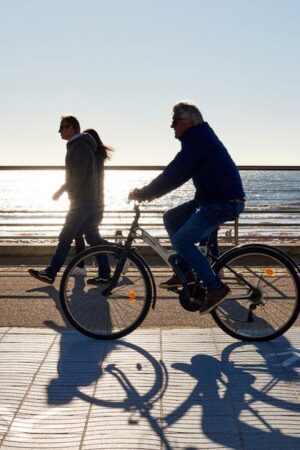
264, 298
98, 311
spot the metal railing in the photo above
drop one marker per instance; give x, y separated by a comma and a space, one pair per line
275, 227
119, 167
236, 232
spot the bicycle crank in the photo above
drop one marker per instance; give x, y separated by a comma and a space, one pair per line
192, 298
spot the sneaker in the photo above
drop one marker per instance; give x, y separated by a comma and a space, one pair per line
174, 281
214, 298
99, 280
78, 272
126, 266
41, 275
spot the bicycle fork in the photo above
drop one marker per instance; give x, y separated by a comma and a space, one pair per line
121, 263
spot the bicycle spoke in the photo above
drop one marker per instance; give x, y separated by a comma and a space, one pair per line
103, 313
269, 307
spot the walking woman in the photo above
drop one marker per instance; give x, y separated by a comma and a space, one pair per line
102, 154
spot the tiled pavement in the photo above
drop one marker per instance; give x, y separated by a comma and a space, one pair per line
156, 389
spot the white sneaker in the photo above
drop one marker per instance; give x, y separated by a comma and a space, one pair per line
126, 266
78, 272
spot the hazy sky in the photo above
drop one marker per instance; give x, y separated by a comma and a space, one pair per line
120, 65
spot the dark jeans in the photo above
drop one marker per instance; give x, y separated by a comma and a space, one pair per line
213, 243
79, 240
192, 222
85, 218
79, 246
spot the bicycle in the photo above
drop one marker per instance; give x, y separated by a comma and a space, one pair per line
263, 303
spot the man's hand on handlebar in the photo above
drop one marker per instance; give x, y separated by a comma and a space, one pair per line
136, 195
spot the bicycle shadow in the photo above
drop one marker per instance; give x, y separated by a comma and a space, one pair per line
225, 389
232, 411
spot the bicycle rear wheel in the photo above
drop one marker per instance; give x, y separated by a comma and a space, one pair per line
95, 311
264, 298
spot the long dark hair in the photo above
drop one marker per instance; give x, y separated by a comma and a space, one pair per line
103, 151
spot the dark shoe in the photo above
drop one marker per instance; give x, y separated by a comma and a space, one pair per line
174, 281
98, 280
41, 275
214, 298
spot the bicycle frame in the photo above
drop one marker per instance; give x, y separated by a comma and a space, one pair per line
165, 254
170, 256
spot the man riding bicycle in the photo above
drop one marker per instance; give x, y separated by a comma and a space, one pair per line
219, 197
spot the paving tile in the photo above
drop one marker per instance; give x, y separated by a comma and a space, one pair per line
200, 441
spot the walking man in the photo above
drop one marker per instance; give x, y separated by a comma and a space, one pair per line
82, 187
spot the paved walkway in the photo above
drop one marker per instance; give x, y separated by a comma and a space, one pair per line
157, 389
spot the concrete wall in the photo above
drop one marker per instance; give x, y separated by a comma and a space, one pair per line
40, 253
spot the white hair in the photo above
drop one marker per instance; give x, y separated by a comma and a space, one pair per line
188, 110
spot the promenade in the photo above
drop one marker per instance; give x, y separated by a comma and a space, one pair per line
178, 382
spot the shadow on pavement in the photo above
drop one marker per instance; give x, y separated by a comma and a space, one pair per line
240, 396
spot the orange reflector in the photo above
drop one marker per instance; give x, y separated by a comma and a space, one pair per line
132, 296
269, 272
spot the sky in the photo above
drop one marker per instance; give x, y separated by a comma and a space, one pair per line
119, 66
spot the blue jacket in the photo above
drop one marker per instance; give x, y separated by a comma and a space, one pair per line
203, 158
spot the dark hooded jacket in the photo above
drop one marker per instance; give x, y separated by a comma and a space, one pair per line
82, 184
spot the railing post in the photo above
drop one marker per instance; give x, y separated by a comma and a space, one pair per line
236, 231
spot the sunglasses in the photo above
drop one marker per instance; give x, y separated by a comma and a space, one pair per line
175, 120
62, 127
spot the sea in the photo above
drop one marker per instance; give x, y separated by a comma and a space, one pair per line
28, 213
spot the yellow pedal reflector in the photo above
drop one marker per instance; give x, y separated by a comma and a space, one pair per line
132, 296
269, 272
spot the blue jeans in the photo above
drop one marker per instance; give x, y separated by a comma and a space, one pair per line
192, 222
84, 218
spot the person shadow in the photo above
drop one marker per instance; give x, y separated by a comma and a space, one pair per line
224, 389
84, 362
83, 305
53, 293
